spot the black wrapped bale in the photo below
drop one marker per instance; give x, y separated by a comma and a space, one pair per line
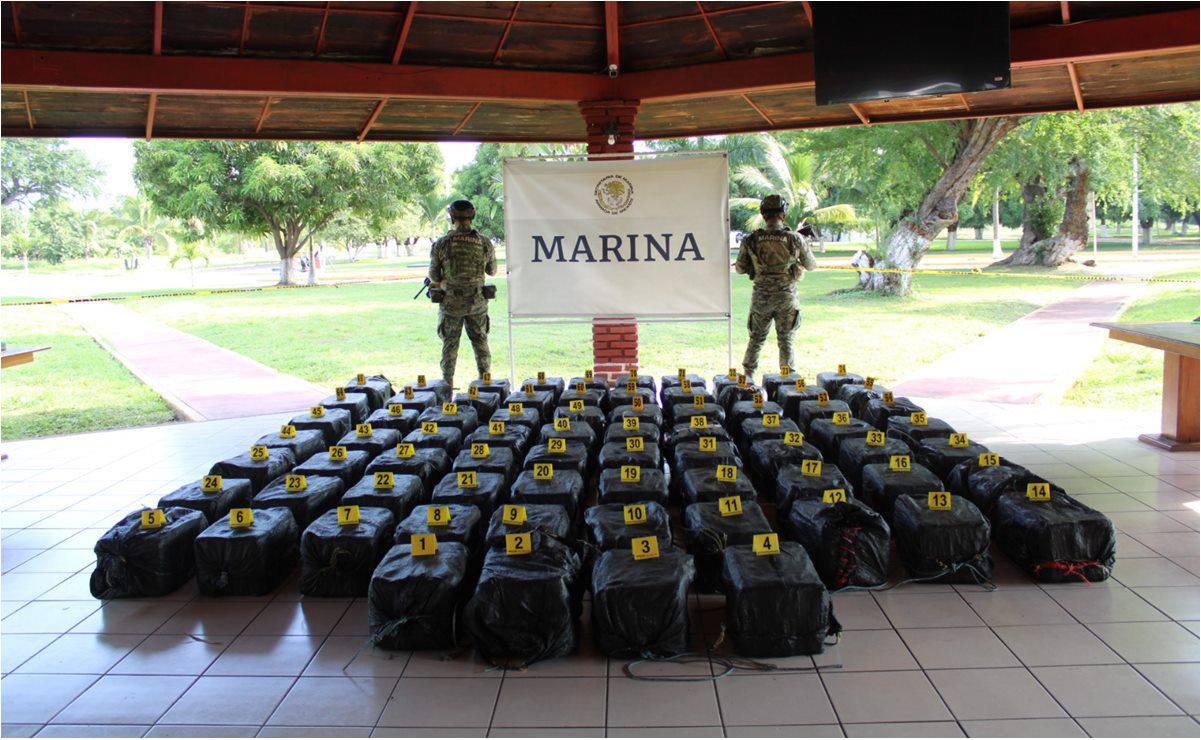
708, 534
464, 526
575, 457
542, 401
701, 484
576, 433
405, 492
490, 490
913, 434
857, 396
848, 542
500, 386
733, 393
530, 417
413, 603
790, 397
429, 464
828, 436
942, 546
832, 380
377, 388
937, 454
1056, 541
670, 398
621, 406
565, 488
877, 412
689, 456
685, 433
446, 438
403, 421
856, 454
984, 485
356, 403
616, 432
306, 443
319, 495
500, 460
881, 486
549, 519
682, 413
744, 410
773, 382
418, 402
465, 419
640, 607
333, 425
596, 384
485, 404
590, 397
349, 470
235, 493
247, 561
776, 605
809, 411
591, 416
439, 387
651, 487
673, 381
607, 528
769, 456
754, 430
793, 485
338, 560
552, 385
718, 383
132, 562
615, 455
515, 437
374, 444
526, 607
258, 472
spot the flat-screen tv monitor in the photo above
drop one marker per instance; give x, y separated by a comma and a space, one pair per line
881, 50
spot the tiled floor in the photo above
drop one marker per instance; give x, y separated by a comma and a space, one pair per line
1116, 658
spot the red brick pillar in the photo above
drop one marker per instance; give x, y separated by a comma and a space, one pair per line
614, 340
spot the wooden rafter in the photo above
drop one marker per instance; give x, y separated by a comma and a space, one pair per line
497, 21
403, 37
762, 113
860, 114
367, 9
612, 36
808, 11
321, 32
371, 119
711, 13
245, 27
505, 35
966, 105
266, 111
150, 115
16, 22
157, 43
1076, 91
28, 110
712, 31
463, 121
1065, 11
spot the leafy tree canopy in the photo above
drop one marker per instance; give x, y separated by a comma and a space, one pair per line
44, 168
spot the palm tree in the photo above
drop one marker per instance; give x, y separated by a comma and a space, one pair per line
190, 251
430, 210
144, 225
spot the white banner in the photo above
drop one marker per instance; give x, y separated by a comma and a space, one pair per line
642, 237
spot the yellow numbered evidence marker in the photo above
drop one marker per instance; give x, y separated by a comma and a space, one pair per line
486, 378
1038, 491
638, 402
633, 373
707, 444
938, 501
429, 427
575, 406
384, 481
631, 474
958, 439
988, 459
259, 453
757, 400
767, 543
794, 439
511, 514
631, 386
317, 412
875, 439
408, 391
834, 496
682, 373
730, 505
405, 450
480, 451
588, 376
450, 409
869, 382
634, 514
918, 419
467, 479
727, 473
423, 545
698, 401
541, 376
211, 484
785, 370
421, 381
528, 388
556, 445
363, 430
241, 518
800, 384
360, 379
841, 418
395, 409
519, 544
437, 516
544, 471
496, 427
473, 391
631, 423
742, 381
348, 515
732, 373
686, 385
771, 421
823, 398
645, 548
811, 468
900, 463
699, 422
562, 424
634, 444
516, 409
153, 519
842, 369
287, 431
294, 483
887, 397
340, 393
337, 453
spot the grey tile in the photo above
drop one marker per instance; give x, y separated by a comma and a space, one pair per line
1107, 605
994, 693
232, 700
684, 731
551, 702
904, 729
859, 611
431, 664
340, 701
48, 616
1178, 602
1149, 642
927, 610
125, 699
1147, 572
93, 731
441, 702
202, 731
868, 650
1023, 728
353, 656
546, 732
779, 699
16, 649
1023, 607
297, 618
1178, 681
81, 654
897, 696
132, 617
258, 655
340, 731
19, 730
211, 618
784, 731
958, 647
32, 699
180, 655
652, 704
429, 732
1057, 644
1104, 691
1140, 727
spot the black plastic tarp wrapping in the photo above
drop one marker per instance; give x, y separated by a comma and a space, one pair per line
832, 380
332, 426
515, 437
615, 455
590, 396
848, 542
526, 607
773, 382
413, 603
776, 605
429, 464
789, 398
1056, 541
591, 416
616, 432
701, 484
446, 438
549, 519
877, 413
339, 560
356, 403
500, 460
542, 401
673, 381
552, 385
349, 470
259, 473
406, 492
306, 443
681, 433
491, 489
753, 430
672, 397
439, 387
235, 493
882, 486
769, 456
857, 396
744, 410
500, 386
732, 393
809, 411
682, 413
608, 530
530, 417
793, 485
720, 382
596, 384
485, 404
374, 445
651, 486
983, 485
912, 434
420, 401
937, 454
248, 561
132, 562
566, 488
378, 389
465, 418
828, 436
575, 457
942, 546
707, 534
402, 422
689, 455
320, 495
464, 526
650, 413
855, 454
578, 433
640, 607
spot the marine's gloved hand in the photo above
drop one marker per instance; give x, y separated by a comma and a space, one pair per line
807, 231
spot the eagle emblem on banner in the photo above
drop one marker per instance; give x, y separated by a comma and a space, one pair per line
614, 194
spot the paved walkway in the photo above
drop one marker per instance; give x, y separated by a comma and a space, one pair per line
196, 378
1033, 360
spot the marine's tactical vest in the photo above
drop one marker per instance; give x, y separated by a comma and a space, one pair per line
466, 258
773, 253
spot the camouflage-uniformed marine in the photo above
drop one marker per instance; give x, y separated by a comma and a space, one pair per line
775, 259
458, 263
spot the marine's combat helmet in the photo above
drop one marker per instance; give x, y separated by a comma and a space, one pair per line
460, 209
772, 205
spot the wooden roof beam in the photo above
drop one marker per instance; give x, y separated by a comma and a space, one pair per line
762, 113
505, 36
860, 114
1075, 78
150, 115
28, 110
710, 13
157, 43
1065, 12
17, 36
808, 11
371, 119
403, 37
966, 105
712, 31
612, 37
463, 121
266, 111
245, 27
321, 31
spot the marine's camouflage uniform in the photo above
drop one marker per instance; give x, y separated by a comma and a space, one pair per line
775, 259
458, 261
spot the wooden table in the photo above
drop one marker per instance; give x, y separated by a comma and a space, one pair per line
1179, 341
18, 356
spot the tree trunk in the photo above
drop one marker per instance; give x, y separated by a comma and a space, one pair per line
978, 233
287, 245
1072, 234
1146, 229
25, 260
952, 232
1033, 227
996, 223
148, 243
910, 239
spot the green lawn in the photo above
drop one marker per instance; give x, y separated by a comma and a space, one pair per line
1126, 375
75, 386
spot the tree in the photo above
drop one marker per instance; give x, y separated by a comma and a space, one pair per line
16, 238
144, 226
350, 233
44, 168
430, 209
741, 149
288, 190
191, 250
481, 181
